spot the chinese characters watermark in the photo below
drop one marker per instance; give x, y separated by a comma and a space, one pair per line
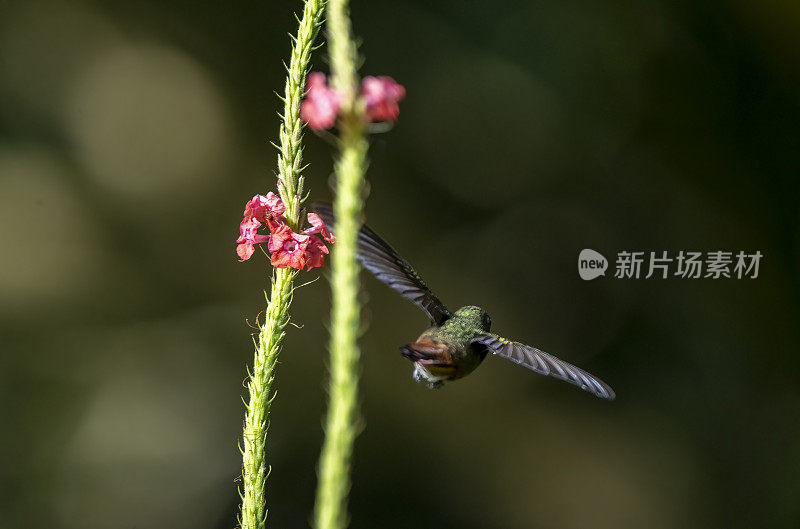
719, 264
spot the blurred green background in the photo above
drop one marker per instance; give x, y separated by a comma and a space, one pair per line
132, 133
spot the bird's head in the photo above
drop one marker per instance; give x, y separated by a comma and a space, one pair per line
475, 317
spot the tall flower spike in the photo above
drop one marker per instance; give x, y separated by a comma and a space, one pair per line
271, 335
321, 105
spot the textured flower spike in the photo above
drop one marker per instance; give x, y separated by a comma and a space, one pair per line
321, 105
382, 95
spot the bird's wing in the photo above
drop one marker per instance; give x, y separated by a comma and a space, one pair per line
544, 363
386, 264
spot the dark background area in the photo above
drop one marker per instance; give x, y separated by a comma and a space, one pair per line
132, 133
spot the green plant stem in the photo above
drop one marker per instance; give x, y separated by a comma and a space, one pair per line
341, 425
290, 157
268, 347
271, 334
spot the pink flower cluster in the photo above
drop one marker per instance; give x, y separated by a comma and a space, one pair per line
322, 104
286, 248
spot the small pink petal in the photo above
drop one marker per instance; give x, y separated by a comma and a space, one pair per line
321, 104
247, 229
262, 207
244, 251
315, 253
278, 237
258, 210
381, 95
287, 248
318, 226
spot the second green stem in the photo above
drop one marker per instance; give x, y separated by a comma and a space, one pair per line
342, 425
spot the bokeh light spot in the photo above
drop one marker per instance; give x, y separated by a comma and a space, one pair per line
148, 120
50, 246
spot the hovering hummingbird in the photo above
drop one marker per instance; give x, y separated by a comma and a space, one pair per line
456, 342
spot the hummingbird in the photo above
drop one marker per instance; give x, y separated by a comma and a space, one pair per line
456, 342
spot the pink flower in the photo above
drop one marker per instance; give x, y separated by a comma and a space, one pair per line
260, 209
315, 252
318, 226
321, 105
295, 250
286, 248
381, 95
248, 238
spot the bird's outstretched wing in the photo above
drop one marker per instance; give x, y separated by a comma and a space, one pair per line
544, 363
386, 264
